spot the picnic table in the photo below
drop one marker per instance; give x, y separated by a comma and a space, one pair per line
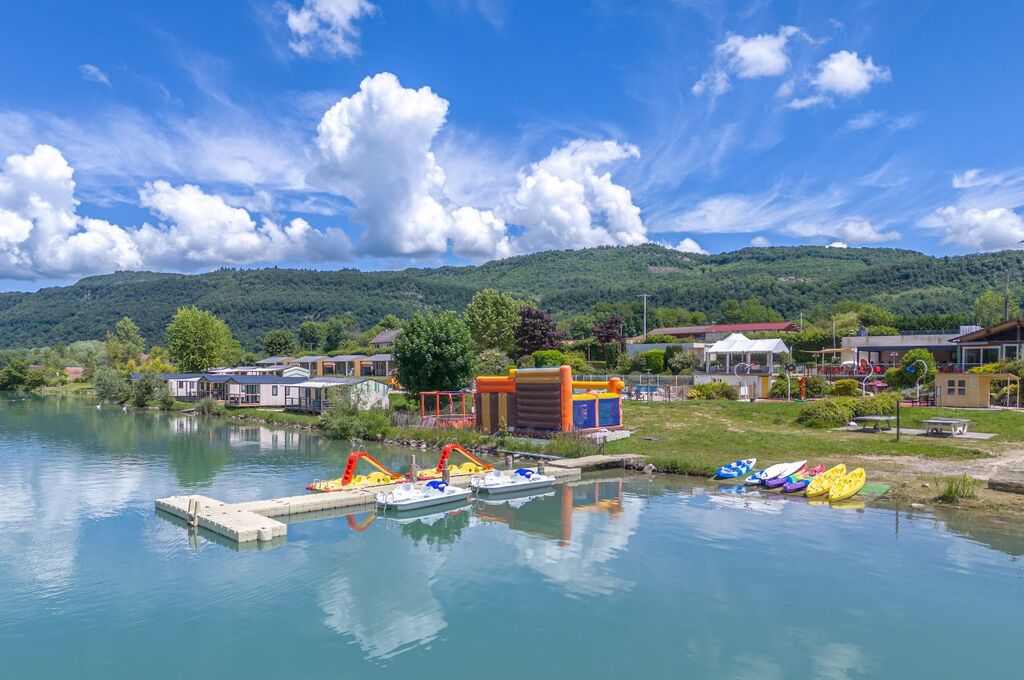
953, 426
875, 423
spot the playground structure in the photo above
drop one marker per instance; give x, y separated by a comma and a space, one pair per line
350, 480
382, 475
447, 409
544, 400
472, 466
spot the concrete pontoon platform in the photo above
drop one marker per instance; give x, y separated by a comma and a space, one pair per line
255, 520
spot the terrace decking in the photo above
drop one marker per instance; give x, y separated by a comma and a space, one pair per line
255, 520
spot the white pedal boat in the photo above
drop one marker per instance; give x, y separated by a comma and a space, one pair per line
408, 497
523, 479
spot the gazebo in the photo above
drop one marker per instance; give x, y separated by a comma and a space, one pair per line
739, 345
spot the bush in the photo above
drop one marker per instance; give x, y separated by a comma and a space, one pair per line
847, 387
608, 353
543, 358
714, 390
816, 386
838, 411
826, 413
526, 361
209, 407
145, 389
895, 378
347, 418
658, 338
913, 356
164, 398
577, 361
111, 386
654, 359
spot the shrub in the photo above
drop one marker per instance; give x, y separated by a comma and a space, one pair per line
847, 387
111, 386
577, 361
816, 386
837, 411
714, 390
164, 398
780, 388
548, 357
209, 407
347, 418
826, 413
526, 361
658, 338
912, 357
145, 389
609, 353
654, 359
957, 488
987, 368
895, 378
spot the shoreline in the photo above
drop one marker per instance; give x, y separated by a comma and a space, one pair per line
915, 479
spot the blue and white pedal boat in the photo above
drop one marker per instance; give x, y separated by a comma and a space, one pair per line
409, 497
523, 479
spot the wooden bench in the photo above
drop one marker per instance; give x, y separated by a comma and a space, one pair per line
875, 423
941, 426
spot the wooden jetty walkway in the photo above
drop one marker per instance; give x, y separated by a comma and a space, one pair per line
261, 520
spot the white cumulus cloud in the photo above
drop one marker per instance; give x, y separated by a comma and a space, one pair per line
376, 149
758, 56
200, 229
41, 233
327, 27
566, 201
844, 74
688, 245
760, 242
978, 229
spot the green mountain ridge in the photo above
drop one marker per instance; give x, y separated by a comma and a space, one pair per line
253, 301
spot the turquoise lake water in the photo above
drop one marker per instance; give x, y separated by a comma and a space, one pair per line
610, 577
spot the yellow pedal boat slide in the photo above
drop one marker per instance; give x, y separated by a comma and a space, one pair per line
848, 486
821, 484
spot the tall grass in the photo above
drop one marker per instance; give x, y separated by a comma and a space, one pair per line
572, 445
957, 488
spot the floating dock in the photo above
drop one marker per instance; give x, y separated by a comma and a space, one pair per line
261, 520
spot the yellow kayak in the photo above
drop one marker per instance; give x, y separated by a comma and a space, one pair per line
847, 486
820, 485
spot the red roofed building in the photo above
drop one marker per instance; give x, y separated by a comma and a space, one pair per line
719, 331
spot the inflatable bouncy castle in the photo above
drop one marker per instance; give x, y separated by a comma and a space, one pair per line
547, 400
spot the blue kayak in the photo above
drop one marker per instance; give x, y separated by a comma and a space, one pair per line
737, 469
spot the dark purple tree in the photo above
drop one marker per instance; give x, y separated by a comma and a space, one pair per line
610, 330
536, 330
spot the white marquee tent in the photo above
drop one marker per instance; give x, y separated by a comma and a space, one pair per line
740, 345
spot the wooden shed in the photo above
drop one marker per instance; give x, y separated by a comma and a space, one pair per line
974, 390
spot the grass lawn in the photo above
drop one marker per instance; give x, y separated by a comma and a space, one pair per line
699, 436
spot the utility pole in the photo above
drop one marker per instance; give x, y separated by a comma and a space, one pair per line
644, 296
1006, 297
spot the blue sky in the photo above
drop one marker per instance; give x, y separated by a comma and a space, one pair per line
349, 133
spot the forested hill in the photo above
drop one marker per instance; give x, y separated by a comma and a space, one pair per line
791, 280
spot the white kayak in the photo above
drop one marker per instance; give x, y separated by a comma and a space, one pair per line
789, 469
523, 479
767, 473
408, 497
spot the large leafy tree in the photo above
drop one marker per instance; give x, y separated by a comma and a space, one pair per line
197, 340
610, 330
492, 317
124, 344
312, 336
279, 343
434, 352
536, 330
990, 307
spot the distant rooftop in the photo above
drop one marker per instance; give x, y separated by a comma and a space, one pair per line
386, 337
